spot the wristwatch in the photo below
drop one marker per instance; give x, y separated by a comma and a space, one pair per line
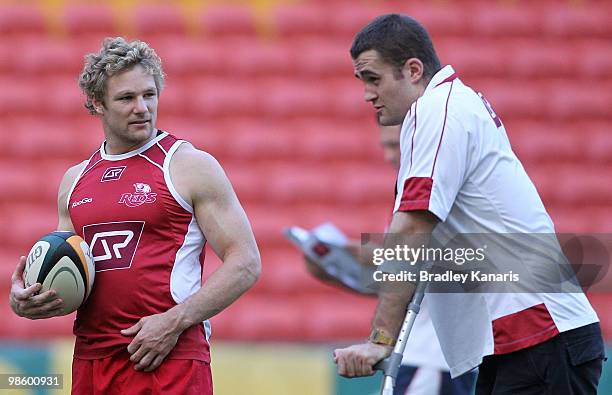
380, 336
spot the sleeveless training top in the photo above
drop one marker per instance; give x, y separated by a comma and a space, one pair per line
147, 248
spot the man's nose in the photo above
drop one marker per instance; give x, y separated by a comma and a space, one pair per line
141, 105
369, 95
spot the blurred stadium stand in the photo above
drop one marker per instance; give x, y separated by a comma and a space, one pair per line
267, 87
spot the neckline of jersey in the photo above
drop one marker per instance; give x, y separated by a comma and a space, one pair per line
130, 154
440, 77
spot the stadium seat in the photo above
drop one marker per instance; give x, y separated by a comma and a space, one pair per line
222, 98
252, 140
286, 119
89, 20
317, 59
370, 182
158, 21
302, 21
19, 176
68, 100
55, 139
286, 99
285, 274
24, 223
50, 58
18, 21
443, 20
256, 58
490, 61
597, 142
348, 20
510, 100
537, 142
594, 60
338, 316
578, 21
592, 103
346, 101
222, 21
330, 140
18, 97
8, 60
260, 318
495, 19
187, 59
529, 59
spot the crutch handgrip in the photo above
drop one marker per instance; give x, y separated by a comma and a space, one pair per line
390, 365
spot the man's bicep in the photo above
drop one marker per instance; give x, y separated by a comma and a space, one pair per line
221, 217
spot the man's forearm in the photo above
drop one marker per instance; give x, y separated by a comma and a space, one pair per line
391, 309
414, 230
235, 276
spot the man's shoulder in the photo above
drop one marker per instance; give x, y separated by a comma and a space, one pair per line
188, 156
70, 176
197, 172
73, 172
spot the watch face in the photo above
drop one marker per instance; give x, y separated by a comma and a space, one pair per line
379, 337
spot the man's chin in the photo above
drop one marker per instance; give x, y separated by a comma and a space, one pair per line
389, 121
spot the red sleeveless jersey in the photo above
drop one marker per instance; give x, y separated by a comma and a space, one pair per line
147, 248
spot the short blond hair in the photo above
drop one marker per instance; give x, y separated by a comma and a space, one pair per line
115, 56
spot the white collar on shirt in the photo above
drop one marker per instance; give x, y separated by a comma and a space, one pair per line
446, 73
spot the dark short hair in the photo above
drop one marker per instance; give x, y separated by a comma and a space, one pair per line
397, 38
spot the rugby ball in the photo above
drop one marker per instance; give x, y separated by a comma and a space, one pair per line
61, 261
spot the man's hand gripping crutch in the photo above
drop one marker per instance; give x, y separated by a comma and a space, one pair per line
390, 365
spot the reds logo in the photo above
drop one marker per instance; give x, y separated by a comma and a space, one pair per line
142, 195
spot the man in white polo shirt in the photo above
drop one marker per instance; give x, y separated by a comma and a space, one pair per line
458, 175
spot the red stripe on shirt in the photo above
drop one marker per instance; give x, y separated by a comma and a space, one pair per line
443, 126
523, 329
416, 194
447, 79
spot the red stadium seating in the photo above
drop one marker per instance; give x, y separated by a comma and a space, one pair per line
221, 21
158, 21
302, 21
578, 21
20, 21
45, 57
270, 93
498, 20
187, 59
95, 20
594, 59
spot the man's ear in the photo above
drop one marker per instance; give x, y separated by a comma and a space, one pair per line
98, 106
413, 69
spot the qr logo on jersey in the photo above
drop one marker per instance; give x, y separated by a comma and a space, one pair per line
112, 173
113, 244
141, 196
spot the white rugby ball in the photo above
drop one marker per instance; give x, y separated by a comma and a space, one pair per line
62, 261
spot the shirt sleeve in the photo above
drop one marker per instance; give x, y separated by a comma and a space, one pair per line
434, 158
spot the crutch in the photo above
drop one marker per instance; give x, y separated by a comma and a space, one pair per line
390, 365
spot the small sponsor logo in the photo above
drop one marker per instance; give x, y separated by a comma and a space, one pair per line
113, 173
82, 201
141, 196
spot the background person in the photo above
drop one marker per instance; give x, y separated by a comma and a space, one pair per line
423, 370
